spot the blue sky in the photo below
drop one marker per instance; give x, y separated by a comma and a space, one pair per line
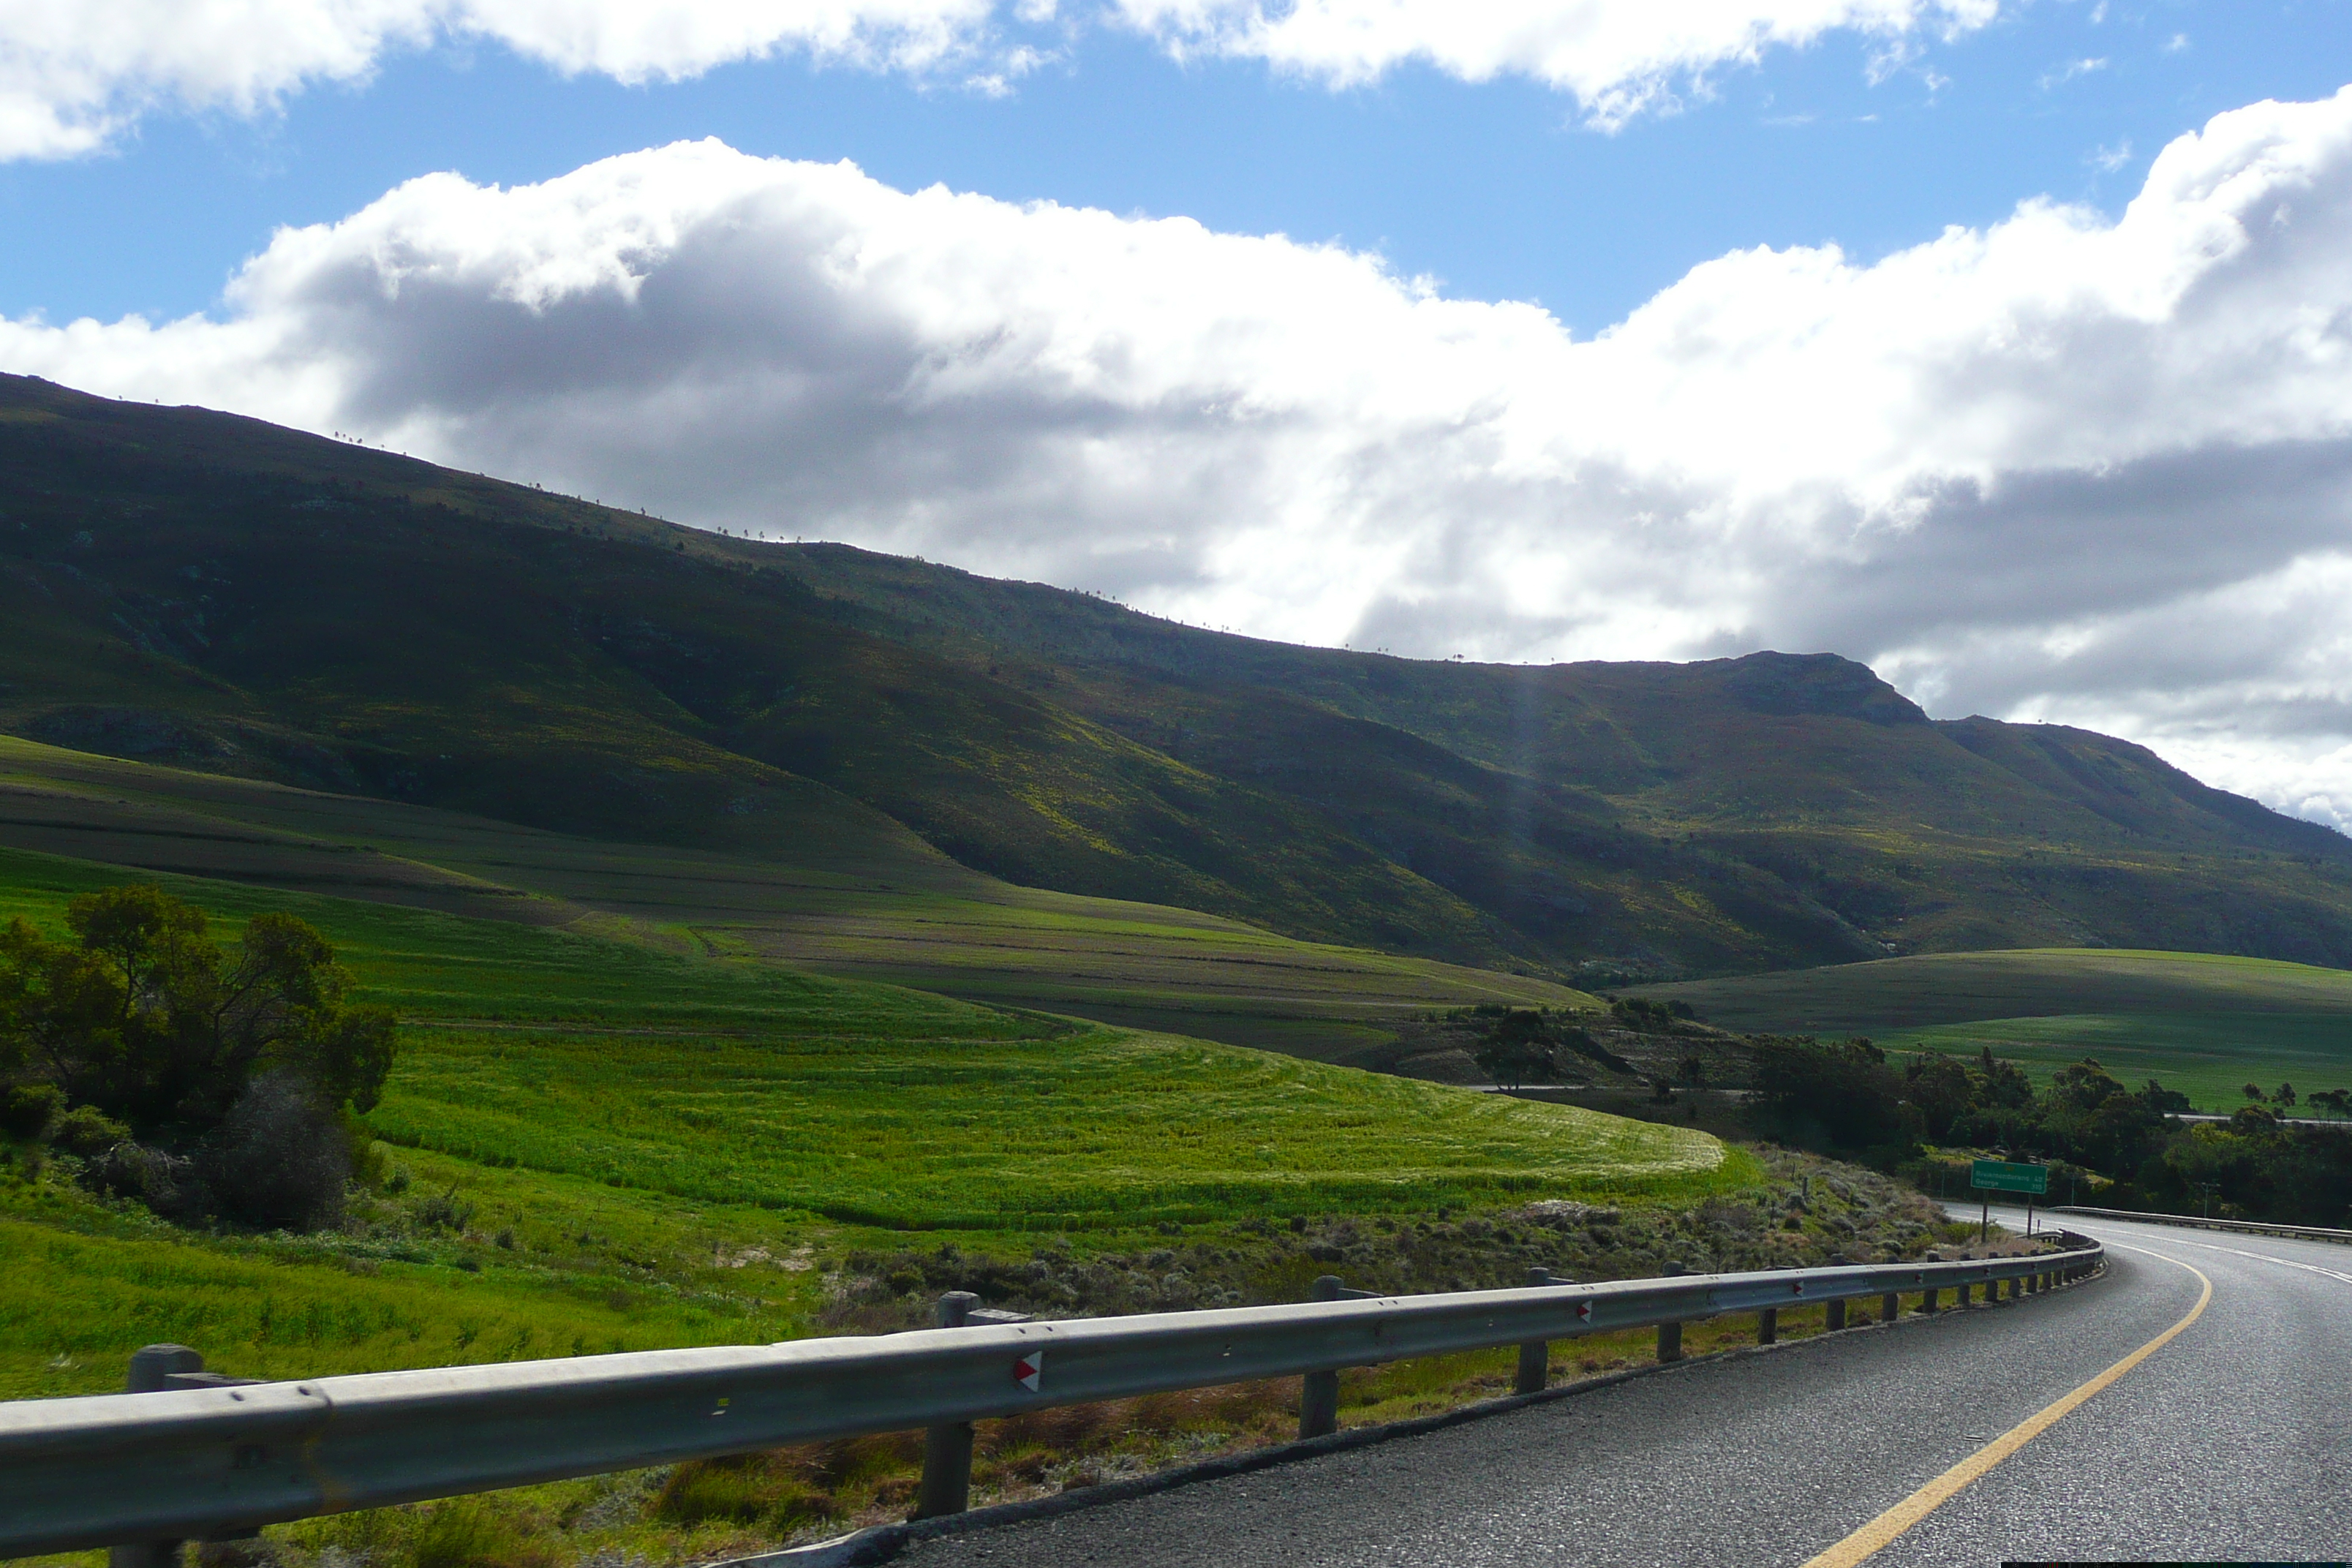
2039, 400
1494, 188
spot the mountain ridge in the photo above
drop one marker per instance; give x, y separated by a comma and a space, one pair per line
215, 592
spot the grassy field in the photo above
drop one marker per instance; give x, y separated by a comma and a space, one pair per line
2202, 1022
882, 905
664, 1147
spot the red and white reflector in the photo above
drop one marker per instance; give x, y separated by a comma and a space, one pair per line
1584, 1311
1027, 1368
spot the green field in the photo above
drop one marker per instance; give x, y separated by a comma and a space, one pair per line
2201, 1023
880, 905
667, 1147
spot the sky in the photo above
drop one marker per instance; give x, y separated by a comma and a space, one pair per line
2005, 346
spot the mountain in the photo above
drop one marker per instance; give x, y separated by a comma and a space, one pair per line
184, 586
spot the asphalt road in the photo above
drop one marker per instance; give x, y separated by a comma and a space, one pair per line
2232, 1442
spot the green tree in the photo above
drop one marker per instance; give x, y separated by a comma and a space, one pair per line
1841, 1088
1941, 1086
1998, 1085
1517, 1049
146, 1019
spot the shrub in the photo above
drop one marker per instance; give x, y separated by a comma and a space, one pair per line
87, 1132
278, 1160
466, 1534
164, 1182
27, 1109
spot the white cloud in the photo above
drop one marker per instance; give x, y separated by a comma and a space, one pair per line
2061, 467
75, 74
1618, 56
2068, 71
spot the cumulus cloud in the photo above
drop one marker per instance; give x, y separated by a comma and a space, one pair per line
2062, 467
74, 73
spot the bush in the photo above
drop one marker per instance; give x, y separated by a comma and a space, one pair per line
279, 1160
464, 1532
27, 1108
164, 1182
88, 1131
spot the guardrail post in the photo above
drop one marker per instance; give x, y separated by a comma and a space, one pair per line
947, 1450
1670, 1335
1890, 1306
152, 1367
1318, 1393
1833, 1316
1768, 1326
1927, 1299
1535, 1355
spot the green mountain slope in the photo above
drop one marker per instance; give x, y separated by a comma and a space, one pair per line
191, 588
2203, 1023
901, 912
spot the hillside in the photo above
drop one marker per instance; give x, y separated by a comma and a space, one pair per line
902, 912
2204, 1024
190, 588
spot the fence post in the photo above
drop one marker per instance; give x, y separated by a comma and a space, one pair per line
1768, 1326
947, 1450
1318, 1393
1670, 1335
152, 1367
1535, 1355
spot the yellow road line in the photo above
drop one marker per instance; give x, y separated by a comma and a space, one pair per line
1880, 1532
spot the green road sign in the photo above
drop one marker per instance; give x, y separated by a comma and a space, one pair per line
2001, 1176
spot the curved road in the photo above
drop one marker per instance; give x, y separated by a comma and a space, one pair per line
2231, 1441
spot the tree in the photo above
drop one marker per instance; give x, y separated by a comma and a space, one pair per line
1842, 1087
2083, 1087
2285, 1095
1941, 1086
1997, 1085
2254, 1091
146, 1019
1517, 1047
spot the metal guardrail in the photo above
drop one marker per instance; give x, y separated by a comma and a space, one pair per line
214, 1462
2249, 1227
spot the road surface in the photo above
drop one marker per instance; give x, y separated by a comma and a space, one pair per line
2231, 1441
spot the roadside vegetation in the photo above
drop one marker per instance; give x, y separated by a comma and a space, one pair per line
585, 1144
2112, 1145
